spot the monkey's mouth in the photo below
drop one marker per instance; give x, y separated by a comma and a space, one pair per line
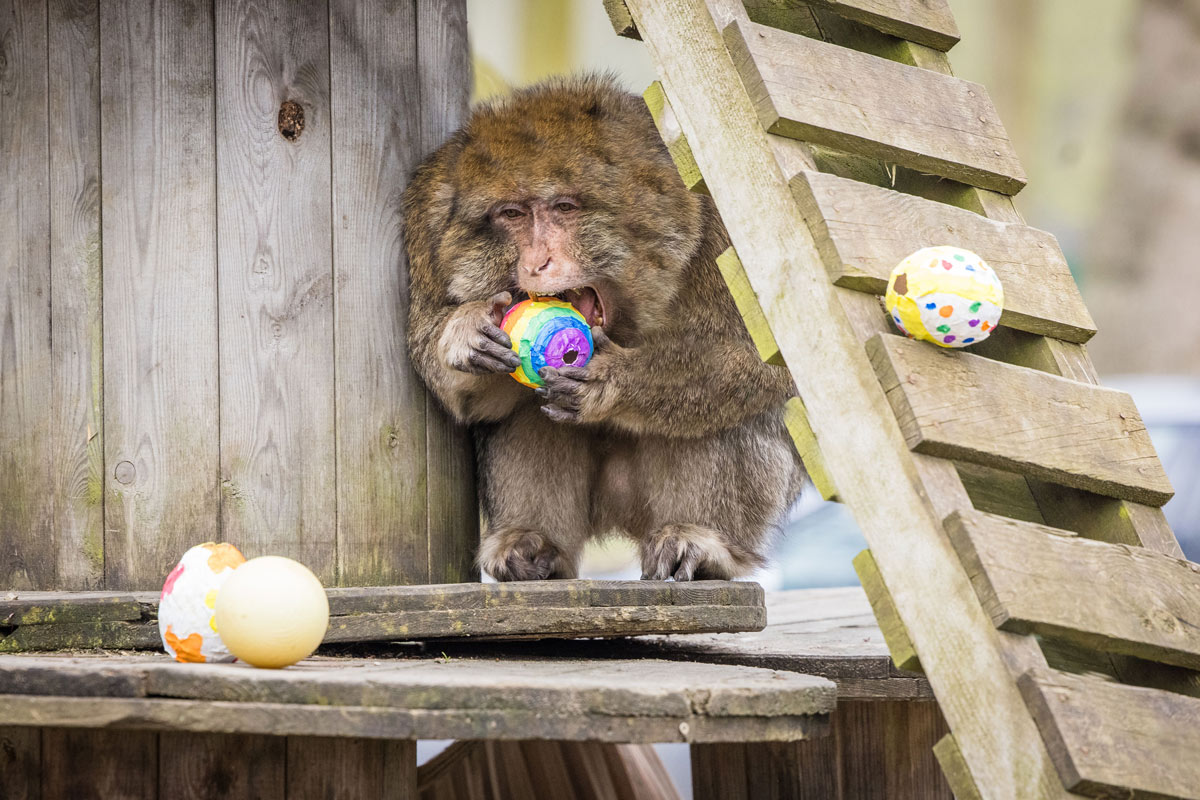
586, 299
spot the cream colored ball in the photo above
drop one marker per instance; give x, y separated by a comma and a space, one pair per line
272, 612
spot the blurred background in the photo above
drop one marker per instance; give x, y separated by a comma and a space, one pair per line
1101, 99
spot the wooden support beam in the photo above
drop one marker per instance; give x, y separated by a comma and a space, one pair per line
1120, 599
859, 103
865, 231
900, 645
954, 404
673, 138
1110, 740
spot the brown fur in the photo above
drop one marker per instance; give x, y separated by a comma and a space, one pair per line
673, 433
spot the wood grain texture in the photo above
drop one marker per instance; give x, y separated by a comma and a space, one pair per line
958, 775
888, 489
602, 699
276, 284
864, 104
1107, 739
159, 287
747, 305
963, 406
865, 231
515, 610
673, 138
875, 751
121, 765
77, 442
929, 22
795, 418
27, 536
34, 608
900, 646
381, 514
443, 61
826, 632
20, 763
346, 769
1116, 598
207, 766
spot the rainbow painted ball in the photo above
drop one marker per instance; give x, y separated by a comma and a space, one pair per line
546, 333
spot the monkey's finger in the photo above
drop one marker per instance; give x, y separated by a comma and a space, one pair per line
687, 564
497, 335
482, 363
575, 374
600, 338
558, 415
502, 354
499, 302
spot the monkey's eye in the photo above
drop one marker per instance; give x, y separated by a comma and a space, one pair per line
565, 206
511, 213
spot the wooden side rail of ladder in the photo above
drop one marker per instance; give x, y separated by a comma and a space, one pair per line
1018, 552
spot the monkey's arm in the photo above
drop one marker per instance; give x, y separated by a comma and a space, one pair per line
669, 387
464, 358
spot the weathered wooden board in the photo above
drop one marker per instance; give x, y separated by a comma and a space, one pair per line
77, 763
325, 766
518, 610
874, 751
963, 406
27, 548
76, 458
32, 608
205, 766
1111, 740
604, 699
928, 22
864, 231
381, 514
443, 60
859, 103
276, 282
673, 138
826, 632
160, 287
1121, 599
899, 644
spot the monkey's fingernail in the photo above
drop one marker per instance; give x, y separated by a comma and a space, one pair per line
542, 391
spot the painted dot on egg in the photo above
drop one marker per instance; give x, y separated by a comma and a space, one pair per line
948, 339
931, 306
975, 306
943, 328
946, 311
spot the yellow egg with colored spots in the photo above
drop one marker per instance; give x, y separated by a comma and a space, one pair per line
945, 295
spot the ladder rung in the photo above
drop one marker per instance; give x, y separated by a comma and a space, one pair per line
954, 404
870, 230
1111, 597
1116, 740
859, 103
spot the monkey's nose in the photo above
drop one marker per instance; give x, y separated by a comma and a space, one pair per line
539, 270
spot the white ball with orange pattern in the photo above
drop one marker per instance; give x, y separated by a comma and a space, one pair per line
945, 295
186, 617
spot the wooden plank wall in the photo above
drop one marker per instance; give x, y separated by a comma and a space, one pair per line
202, 318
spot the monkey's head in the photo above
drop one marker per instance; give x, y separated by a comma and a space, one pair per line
564, 188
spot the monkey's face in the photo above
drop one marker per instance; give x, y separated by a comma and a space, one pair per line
565, 191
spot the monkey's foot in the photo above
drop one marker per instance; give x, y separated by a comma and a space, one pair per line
684, 551
523, 555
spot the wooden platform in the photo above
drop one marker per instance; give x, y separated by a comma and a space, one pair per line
444, 698
518, 610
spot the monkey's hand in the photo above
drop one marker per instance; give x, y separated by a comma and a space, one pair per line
472, 340
583, 394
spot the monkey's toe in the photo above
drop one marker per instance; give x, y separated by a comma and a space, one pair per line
686, 552
523, 556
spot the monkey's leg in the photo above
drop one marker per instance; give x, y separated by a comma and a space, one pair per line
716, 500
536, 477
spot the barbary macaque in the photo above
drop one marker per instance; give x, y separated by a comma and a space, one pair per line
673, 433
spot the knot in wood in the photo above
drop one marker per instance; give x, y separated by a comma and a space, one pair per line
124, 472
291, 120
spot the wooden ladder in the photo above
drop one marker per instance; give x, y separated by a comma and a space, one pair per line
1018, 554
